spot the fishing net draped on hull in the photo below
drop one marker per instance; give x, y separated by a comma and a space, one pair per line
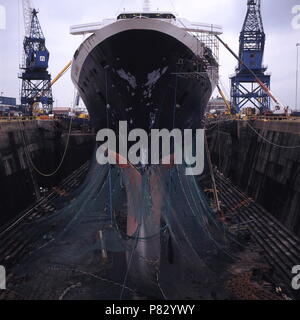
160, 218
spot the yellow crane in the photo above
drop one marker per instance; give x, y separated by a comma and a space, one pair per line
63, 71
225, 100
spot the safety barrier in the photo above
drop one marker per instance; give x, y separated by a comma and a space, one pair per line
45, 118
272, 118
11, 119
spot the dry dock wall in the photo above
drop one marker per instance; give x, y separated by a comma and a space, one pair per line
45, 142
266, 172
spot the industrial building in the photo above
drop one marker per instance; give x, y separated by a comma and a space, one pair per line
217, 105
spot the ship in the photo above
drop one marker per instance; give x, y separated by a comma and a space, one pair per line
156, 71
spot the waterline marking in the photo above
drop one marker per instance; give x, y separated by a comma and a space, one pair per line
188, 148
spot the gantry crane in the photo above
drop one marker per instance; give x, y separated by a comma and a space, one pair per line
36, 80
250, 85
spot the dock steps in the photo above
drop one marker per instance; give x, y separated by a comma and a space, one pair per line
280, 246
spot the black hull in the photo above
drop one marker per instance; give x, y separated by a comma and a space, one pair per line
115, 83
153, 80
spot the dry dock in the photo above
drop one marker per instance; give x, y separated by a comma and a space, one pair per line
263, 159
54, 249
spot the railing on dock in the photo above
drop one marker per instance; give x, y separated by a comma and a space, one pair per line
43, 118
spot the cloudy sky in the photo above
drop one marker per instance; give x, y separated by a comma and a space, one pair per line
56, 16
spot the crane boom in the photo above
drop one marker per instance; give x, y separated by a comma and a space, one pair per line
62, 72
224, 99
27, 15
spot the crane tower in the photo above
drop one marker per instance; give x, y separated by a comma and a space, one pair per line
245, 90
36, 80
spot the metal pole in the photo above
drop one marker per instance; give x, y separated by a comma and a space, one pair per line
297, 75
215, 190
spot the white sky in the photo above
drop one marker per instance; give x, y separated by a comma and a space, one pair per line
56, 16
